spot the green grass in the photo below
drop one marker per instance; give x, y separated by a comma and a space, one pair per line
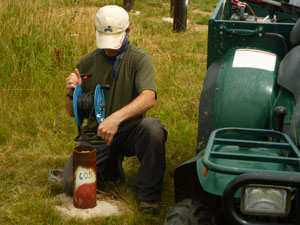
40, 42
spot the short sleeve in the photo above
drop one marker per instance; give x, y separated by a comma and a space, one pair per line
144, 78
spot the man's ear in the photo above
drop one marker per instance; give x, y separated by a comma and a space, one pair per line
128, 30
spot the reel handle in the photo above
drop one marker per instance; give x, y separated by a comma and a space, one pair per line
80, 134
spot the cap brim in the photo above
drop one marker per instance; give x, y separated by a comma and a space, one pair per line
110, 41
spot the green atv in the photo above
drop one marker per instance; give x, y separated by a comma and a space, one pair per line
247, 167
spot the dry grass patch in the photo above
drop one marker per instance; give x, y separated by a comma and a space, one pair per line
41, 42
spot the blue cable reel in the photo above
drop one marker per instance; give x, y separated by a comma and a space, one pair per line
98, 106
77, 93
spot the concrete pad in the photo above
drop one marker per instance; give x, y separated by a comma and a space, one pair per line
167, 19
134, 12
170, 20
105, 207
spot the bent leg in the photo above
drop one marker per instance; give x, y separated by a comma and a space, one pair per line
147, 141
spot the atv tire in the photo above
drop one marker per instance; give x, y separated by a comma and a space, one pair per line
188, 212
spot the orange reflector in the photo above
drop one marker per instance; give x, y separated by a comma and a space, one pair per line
204, 172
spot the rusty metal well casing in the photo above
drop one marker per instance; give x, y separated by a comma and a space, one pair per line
84, 177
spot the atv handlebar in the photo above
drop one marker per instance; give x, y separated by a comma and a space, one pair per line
272, 2
280, 5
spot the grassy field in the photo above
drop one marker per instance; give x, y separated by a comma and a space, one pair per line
41, 41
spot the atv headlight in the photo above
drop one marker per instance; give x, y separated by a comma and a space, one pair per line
266, 200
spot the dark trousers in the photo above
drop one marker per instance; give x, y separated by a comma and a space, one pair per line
146, 140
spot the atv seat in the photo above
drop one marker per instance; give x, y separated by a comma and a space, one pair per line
295, 34
288, 73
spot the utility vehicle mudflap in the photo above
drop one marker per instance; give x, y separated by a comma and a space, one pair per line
186, 182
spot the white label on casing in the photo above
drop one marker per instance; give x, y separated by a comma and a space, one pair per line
250, 58
84, 176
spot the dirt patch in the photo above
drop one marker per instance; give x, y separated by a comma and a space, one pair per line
202, 12
105, 207
170, 20
199, 27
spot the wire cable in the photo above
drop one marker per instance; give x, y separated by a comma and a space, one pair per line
85, 105
238, 4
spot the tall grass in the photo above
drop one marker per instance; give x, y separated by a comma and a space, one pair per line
40, 43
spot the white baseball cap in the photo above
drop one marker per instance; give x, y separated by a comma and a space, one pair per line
111, 23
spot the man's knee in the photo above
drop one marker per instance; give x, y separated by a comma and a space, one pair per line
154, 128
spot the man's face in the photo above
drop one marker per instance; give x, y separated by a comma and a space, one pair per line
114, 52
111, 52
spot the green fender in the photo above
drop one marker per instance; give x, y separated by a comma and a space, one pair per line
215, 183
244, 96
212, 182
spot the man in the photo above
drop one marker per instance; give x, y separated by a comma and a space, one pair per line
125, 131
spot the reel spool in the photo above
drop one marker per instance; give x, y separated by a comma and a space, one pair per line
98, 106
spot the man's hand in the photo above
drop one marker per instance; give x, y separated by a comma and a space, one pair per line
72, 81
141, 104
108, 128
